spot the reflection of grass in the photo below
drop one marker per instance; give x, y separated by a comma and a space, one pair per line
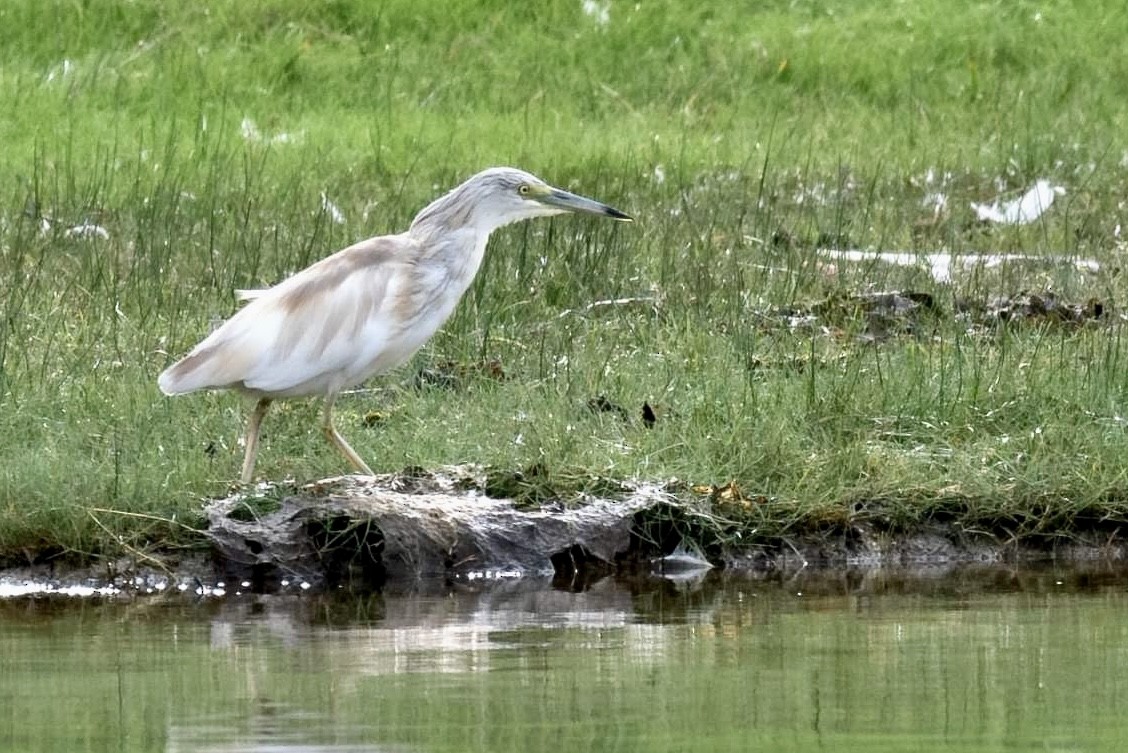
741, 140
852, 662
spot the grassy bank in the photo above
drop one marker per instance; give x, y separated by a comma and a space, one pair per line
203, 141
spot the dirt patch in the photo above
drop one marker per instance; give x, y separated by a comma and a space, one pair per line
884, 315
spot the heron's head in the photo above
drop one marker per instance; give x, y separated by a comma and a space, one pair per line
501, 195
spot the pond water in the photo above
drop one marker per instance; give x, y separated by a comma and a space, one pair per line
973, 660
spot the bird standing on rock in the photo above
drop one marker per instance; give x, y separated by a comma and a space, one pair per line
367, 308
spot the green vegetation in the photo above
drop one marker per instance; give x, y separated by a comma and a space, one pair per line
202, 138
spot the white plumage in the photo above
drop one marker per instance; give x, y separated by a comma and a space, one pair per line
367, 308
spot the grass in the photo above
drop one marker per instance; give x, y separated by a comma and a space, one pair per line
203, 137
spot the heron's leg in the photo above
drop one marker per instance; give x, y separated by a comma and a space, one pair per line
250, 439
334, 436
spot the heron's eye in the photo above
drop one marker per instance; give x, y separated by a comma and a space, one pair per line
523, 189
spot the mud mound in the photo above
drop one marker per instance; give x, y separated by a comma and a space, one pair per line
413, 526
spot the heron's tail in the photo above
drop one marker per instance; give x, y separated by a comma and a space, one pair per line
189, 374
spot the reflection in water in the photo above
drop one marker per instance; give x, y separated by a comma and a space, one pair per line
271, 728
452, 633
967, 660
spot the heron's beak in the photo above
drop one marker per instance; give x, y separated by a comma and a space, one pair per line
570, 202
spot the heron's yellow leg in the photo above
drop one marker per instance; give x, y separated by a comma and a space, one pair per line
251, 438
335, 437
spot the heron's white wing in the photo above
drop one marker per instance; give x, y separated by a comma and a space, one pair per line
326, 327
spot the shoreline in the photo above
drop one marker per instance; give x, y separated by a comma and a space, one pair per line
200, 576
400, 531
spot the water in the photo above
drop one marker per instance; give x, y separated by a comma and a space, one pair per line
993, 660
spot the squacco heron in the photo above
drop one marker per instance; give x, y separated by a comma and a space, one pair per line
367, 308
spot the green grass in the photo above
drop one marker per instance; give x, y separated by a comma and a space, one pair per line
720, 128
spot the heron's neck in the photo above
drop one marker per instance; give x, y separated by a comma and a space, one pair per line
458, 210
453, 255
435, 228
452, 234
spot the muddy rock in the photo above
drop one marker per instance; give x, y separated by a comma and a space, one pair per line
447, 525
399, 527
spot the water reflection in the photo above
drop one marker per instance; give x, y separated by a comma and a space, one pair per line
984, 659
270, 728
449, 633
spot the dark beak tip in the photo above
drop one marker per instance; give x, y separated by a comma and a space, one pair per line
620, 216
